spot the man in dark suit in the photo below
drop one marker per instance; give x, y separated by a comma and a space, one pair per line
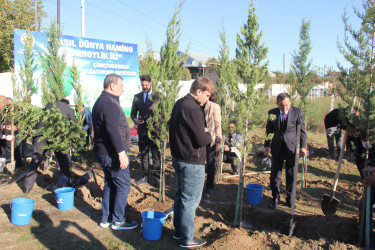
282, 123
142, 109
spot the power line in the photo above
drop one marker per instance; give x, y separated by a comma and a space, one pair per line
184, 37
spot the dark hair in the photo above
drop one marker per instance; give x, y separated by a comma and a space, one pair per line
282, 96
232, 122
111, 78
203, 84
65, 101
145, 78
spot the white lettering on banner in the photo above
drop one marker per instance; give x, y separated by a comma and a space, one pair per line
88, 54
122, 48
90, 45
125, 73
99, 72
68, 42
111, 66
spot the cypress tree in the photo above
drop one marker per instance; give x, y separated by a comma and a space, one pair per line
302, 72
26, 88
250, 54
357, 81
171, 70
54, 66
148, 65
226, 88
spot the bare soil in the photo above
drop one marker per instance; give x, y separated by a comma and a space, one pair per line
78, 228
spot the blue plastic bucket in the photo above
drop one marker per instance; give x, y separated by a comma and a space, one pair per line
152, 224
254, 193
22, 208
65, 198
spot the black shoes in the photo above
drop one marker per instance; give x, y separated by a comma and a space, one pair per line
274, 203
195, 242
142, 180
83, 179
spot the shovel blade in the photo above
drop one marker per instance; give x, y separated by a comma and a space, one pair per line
329, 204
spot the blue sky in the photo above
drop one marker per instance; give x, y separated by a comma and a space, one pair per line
202, 20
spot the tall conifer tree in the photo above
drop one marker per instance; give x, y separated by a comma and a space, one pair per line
358, 81
171, 68
226, 88
23, 90
250, 56
54, 66
302, 66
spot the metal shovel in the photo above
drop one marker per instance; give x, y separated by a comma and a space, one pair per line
329, 202
289, 227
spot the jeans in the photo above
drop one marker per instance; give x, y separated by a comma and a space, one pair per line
116, 188
189, 187
333, 134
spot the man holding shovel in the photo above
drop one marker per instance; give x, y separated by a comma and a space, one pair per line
282, 124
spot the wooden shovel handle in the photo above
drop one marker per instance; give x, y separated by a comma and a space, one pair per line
340, 161
12, 142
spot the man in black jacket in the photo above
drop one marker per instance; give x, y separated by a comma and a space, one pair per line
142, 109
38, 153
333, 126
111, 144
188, 138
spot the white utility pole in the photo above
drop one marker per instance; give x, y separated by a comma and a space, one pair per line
82, 18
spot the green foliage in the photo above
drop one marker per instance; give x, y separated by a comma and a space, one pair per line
186, 76
25, 75
25, 115
148, 65
357, 81
171, 61
54, 65
301, 79
16, 14
78, 97
250, 54
171, 68
62, 134
227, 86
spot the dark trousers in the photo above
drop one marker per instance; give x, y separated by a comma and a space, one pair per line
276, 171
145, 144
38, 153
116, 188
228, 157
211, 168
17, 150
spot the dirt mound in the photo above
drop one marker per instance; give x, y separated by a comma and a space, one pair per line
78, 228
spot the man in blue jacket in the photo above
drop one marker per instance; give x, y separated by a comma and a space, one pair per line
111, 143
188, 138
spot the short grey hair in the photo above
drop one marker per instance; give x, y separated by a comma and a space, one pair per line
111, 78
